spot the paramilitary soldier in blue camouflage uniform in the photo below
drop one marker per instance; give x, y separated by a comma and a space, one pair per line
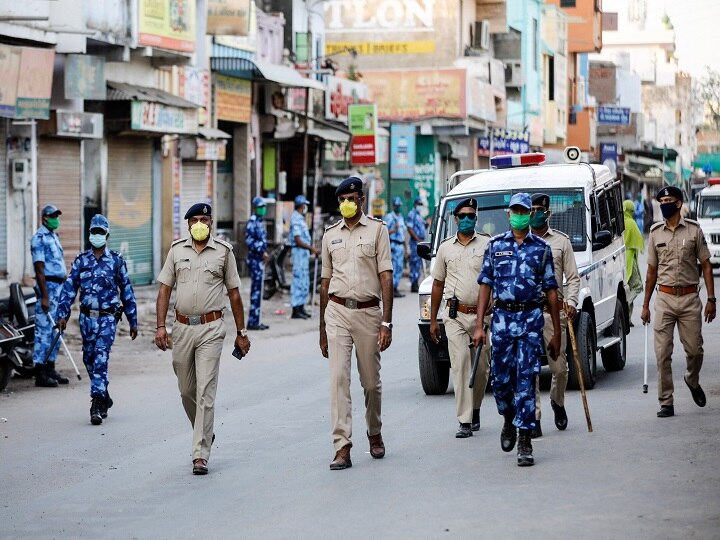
301, 249
256, 242
416, 230
97, 274
396, 228
47, 257
518, 269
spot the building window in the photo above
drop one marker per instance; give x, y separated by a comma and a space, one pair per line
567, 3
572, 119
551, 78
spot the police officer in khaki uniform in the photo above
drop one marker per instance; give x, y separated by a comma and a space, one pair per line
203, 267
674, 248
457, 266
356, 276
565, 265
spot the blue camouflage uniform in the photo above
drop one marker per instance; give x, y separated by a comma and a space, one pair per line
301, 261
256, 241
415, 222
517, 274
45, 247
98, 281
397, 245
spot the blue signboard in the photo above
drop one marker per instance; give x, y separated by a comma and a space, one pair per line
613, 115
402, 151
608, 151
505, 141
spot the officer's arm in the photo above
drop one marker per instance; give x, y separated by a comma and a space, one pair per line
40, 278
128, 296
161, 304
570, 272
236, 306
392, 225
386, 286
554, 303
69, 290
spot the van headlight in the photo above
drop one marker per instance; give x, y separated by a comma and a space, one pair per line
424, 301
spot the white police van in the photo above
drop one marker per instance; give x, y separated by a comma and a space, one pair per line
708, 216
586, 204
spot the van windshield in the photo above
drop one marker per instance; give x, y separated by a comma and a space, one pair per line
567, 207
709, 207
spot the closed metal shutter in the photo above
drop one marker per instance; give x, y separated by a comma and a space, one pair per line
59, 184
193, 187
4, 166
129, 204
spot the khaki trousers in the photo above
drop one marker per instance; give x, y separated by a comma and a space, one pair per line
558, 367
459, 332
196, 361
686, 312
346, 327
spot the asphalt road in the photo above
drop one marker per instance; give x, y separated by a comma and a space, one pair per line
635, 476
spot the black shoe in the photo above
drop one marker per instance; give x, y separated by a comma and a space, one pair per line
42, 378
414, 287
536, 432
397, 294
561, 419
296, 314
524, 453
258, 327
508, 435
305, 313
475, 425
105, 404
666, 411
95, 416
463, 432
55, 375
697, 394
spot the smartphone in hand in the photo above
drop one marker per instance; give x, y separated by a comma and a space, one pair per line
237, 353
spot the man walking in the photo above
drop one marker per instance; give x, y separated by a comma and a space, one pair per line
47, 257
356, 275
634, 245
416, 230
565, 272
203, 267
457, 265
256, 242
301, 250
396, 229
517, 269
675, 246
101, 277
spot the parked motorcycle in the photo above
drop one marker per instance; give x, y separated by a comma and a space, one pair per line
274, 278
17, 334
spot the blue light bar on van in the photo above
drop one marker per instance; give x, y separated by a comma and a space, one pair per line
517, 160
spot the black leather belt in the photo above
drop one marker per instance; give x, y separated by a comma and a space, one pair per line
354, 304
55, 279
397, 241
89, 312
518, 306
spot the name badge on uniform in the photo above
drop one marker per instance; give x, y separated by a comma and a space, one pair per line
338, 241
503, 253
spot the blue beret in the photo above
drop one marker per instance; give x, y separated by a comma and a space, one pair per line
521, 199
418, 200
258, 202
352, 184
50, 210
465, 203
99, 221
670, 191
300, 200
199, 209
540, 199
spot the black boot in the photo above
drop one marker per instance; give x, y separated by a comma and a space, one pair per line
95, 407
524, 454
475, 425
106, 403
536, 433
55, 375
305, 313
296, 313
508, 435
414, 287
42, 377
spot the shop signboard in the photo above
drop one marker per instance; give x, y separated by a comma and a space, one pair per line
210, 149
340, 94
505, 141
613, 115
167, 24
160, 118
363, 147
85, 77
402, 151
10, 68
34, 83
233, 99
228, 17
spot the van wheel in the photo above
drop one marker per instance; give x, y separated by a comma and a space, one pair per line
613, 358
6, 369
434, 376
585, 338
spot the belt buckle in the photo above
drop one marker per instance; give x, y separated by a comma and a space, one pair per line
351, 303
95, 313
193, 320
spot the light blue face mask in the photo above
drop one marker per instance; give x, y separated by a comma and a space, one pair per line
98, 240
466, 225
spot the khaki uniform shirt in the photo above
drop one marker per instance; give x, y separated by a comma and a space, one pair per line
201, 277
676, 253
353, 258
565, 265
459, 267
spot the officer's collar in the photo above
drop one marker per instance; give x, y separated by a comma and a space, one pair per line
474, 236
529, 236
210, 243
362, 221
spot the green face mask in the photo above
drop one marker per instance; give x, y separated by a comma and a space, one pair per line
260, 212
519, 222
53, 223
538, 220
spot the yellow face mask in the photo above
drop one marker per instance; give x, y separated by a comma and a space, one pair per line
348, 209
199, 231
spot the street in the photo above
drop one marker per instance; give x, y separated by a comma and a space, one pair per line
635, 476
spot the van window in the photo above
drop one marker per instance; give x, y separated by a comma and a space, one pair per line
709, 207
617, 221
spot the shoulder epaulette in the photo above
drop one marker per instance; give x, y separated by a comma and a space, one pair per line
561, 233
224, 243
688, 220
176, 242
448, 238
483, 233
376, 219
333, 225
656, 225
116, 253
497, 237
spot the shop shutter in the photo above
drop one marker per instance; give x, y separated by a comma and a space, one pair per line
129, 204
59, 179
193, 187
4, 166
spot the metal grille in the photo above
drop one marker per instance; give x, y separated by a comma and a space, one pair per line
715, 238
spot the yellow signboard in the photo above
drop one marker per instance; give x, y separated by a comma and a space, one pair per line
168, 24
228, 17
382, 47
233, 99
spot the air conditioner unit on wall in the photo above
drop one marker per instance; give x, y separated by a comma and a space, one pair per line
481, 35
514, 73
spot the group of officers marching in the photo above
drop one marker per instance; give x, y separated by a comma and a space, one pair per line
508, 287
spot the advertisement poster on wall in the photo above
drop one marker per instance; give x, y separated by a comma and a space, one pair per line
402, 151
424, 184
34, 83
9, 67
363, 122
167, 24
228, 17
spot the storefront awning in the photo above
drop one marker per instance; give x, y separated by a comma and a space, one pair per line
329, 134
213, 133
130, 92
245, 68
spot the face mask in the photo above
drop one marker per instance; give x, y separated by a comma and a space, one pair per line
348, 209
538, 220
52, 223
303, 210
466, 225
397, 209
98, 240
260, 212
519, 222
668, 209
199, 231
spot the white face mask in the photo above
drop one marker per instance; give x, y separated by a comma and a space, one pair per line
98, 240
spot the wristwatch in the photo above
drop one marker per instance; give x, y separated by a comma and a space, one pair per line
387, 325
712, 299
242, 332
